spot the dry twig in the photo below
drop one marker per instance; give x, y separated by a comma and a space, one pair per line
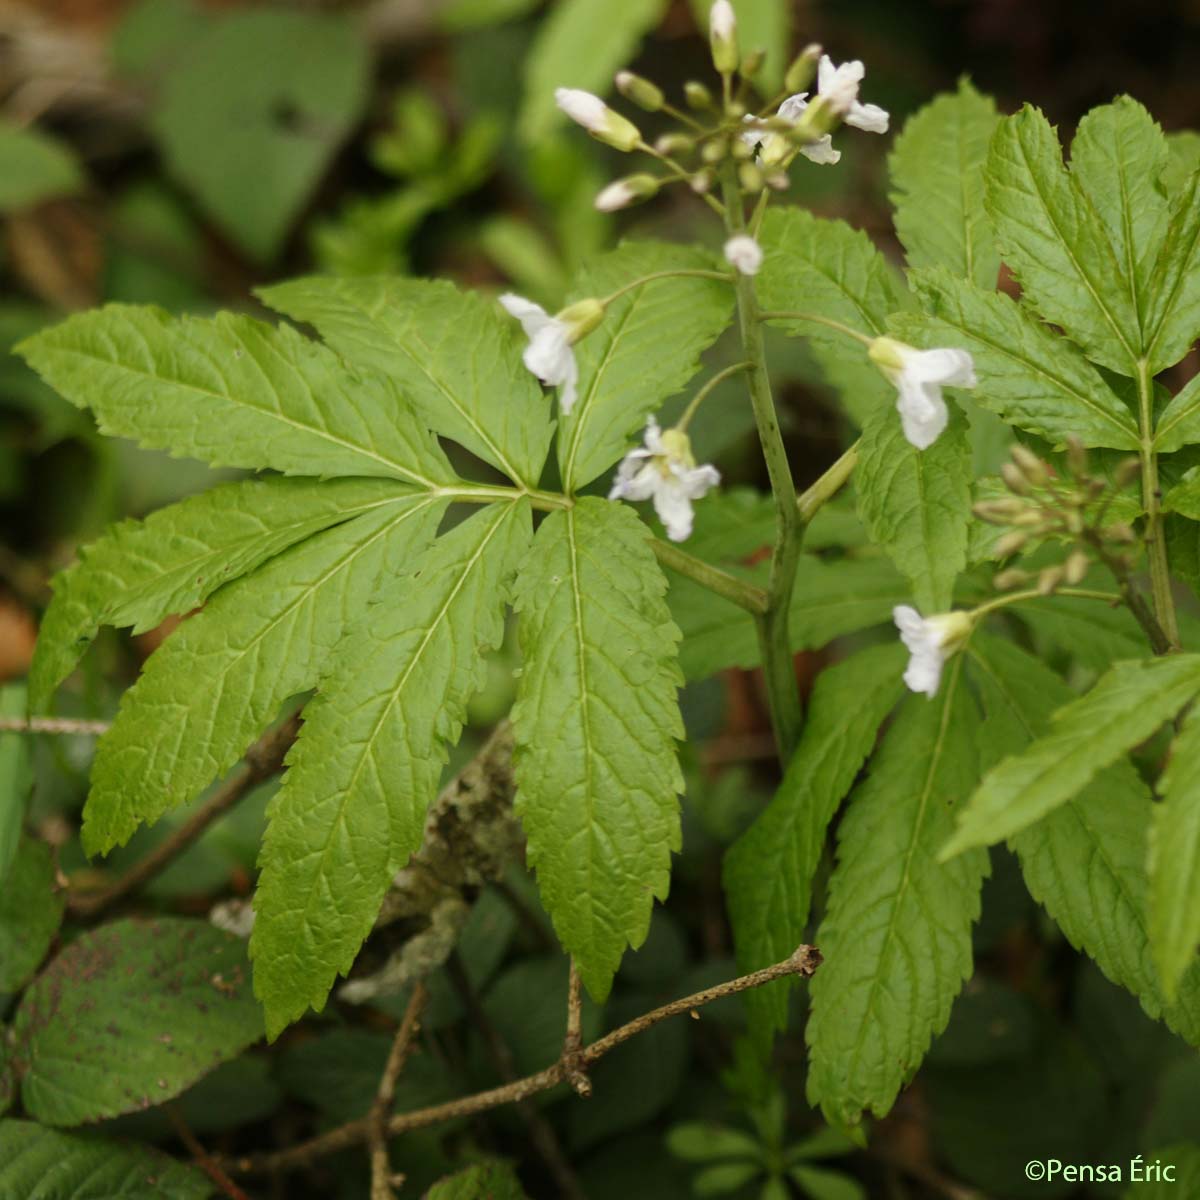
382, 1180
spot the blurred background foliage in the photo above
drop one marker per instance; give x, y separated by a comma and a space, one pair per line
179, 153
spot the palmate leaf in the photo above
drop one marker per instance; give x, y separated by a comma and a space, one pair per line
897, 934
1174, 320
1095, 730
1057, 245
1179, 423
936, 166
647, 348
214, 684
1175, 860
596, 722
1085, 862
368, 759
768, 872
140, 572
234, 392
916, 504
1027, 375
454, 355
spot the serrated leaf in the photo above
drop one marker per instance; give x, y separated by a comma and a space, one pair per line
43, 1164
813, 264
483, 1181
1092, 732
129, 1015
1175, 860
916, 504
1178, 424
897, 933
580, 44
254, 110
768, 872
830, 599
1056, 244
455, 355
936, 167
1117, 157
31, 908
16, 778
1085, 862
1183, 157
140, 572
1028, 375
233, 392
34, 167
1174, 319
1096, 635
262, 639
596, 721
625, 372
367, 763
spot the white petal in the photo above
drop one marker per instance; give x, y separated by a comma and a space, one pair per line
744, 253
616, 196
635, 480
822, 152
674, 508
839, 85
793, 107
548, 354
722, 22
699, 480
653, 437
756, 134
870, 117
955, 367
533, 317
570, 384
589, 111
924, 673
908, 621
923, 412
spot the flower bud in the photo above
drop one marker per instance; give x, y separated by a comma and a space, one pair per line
674, 144
752, 62
1128, 469
751, 177
1011, 578
1119, 532
778, 181
697, 95
1077, 456
1030, 465
998, 512
776, 150
722, 37
1049, 579
715, 150
1014, 480
598, 119
1076, 567
641, 92
582, 317
803, 69
701, 181
623, 192
1011, 543
741, 150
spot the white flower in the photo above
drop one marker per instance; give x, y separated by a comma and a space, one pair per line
744, 253
665, 471
821, 151
918, 376
722, 20
549, 355
839, 88
930, 641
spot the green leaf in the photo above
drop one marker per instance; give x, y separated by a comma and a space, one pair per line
624, 373
936, 166
1117, 157
262, 639
31, 909
233, 392
140, 572
129, 1015
916, 504
42, 1164
1178, 424
822, 1184
367, 763
1175, 860
1183, 157
830, 600
768, 873
897, 933
816, 265
34, 167
1056, 244
1091, 733
1085, 862
1028, 375
761, 25
595, 723
455, 355
1174, 319
16, 779
580, 44
252, 114
704, 1141
483, 1181
1096, 635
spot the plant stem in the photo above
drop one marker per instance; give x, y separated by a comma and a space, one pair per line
62, 725
744, 595
381, 1166
813, 499
720, 276
817, 319
688, 413
1156, 545
1033, 594
773, 635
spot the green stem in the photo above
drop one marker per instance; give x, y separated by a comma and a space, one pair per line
471, 493
688, 413
636, 283
817, 320
1034, 594
678, 172
1156, 544
812, 499
778, 669
744, 595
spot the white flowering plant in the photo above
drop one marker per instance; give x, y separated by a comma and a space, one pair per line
1038, 514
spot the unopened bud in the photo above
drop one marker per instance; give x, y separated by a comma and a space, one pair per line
778, 181
722, 37
633, 189
715, 150
1073, 521
1076, 567
697, 95
775, 150
1119, 532
751, 177
1011, 578
741, 150
1030, 518
1128, 469
1049, 579
1011, 543
640, 91
701, 181
803, 69
1014, 480
1077, 456
598, 119
998, 512
1029, 464
674, 144
582, 317
752, 62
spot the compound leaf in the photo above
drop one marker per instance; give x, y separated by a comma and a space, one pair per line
1174, 320
366, 765
595, 723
